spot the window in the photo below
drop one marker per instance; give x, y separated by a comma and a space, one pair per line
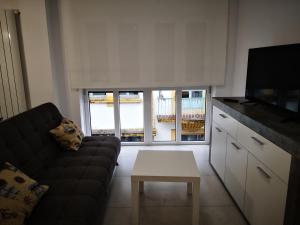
193, 115
163, 115
197, 94
102, 113
131, 116
149, 116
185, 94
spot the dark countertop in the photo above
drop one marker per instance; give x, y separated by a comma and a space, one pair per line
265, 120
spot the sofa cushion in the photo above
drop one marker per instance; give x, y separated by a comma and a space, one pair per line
68, 134
78, 180
24, 191
108, 142
88, 162
78, 190
102, 141
25, 141
76, 172
67, 210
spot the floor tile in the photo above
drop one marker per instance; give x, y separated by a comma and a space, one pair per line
168, 203
204, 168
125, 166
175, 216
117, 216
221, 216
120, 192
212, 193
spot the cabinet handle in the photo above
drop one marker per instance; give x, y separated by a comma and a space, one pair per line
218, 129
223, 116
235, 145
258, 141
263, 172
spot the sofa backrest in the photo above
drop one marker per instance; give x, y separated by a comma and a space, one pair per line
25, 140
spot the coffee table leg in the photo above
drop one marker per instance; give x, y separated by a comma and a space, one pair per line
135, 201
196, 190
189, 188
141, 186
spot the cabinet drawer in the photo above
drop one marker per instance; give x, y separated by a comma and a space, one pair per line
218, 149
235, 173
265, 195
271, 155
226, 121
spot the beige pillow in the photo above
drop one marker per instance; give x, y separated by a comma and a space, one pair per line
19, 194
68, 134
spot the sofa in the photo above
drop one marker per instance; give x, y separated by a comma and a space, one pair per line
78, 180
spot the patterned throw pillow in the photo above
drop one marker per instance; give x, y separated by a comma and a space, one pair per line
19, 194
68, 134
11, 212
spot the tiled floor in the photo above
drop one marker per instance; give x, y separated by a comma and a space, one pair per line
168, 203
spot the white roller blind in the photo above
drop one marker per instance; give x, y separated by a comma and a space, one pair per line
144, 43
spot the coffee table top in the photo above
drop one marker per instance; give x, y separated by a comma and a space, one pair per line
165, 164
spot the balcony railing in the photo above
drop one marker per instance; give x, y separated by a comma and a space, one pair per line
109, 99
192, 109
193, 103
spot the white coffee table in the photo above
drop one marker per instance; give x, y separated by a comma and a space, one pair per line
165, 166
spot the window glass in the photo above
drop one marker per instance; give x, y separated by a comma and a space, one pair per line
193, 115
132, 116
102, 113
163, 115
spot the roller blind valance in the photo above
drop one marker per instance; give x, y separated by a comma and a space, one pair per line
144, 43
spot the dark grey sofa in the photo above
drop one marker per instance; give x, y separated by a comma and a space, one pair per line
78, 181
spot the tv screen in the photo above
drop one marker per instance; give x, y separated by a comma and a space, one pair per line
273, 76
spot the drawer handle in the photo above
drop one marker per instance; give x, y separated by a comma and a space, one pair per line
258, 141
218, 129
235, 145
263, 172
223, 116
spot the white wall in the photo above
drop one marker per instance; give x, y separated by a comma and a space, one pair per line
47, 80
36, 48
256, 23
226, 89
263, 23
69, 100
60, 81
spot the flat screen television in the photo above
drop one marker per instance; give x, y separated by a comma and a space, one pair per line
273, 76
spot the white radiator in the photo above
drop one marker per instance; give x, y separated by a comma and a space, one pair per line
12, 91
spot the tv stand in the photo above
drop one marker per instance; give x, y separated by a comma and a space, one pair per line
248, 102
231, 100
290, 119
276, 128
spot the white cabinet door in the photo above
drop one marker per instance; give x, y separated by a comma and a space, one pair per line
235, 173
271, 155
265, 195
218, 149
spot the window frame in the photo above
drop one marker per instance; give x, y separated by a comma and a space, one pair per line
147, 104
